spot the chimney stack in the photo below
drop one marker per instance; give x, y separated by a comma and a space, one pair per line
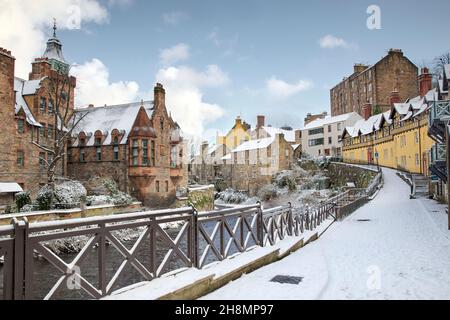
260, 121
159, 96
425, 80
359, 67
367, 110
394, 97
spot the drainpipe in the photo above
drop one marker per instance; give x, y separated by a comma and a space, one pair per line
420, 149
448, 170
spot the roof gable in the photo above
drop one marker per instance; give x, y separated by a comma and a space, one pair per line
108, 118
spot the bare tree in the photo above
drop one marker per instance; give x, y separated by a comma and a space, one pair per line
59, 90
439, 63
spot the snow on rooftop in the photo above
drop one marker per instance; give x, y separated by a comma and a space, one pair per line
226, 157
328, 120
10, 187
255, 144
289, 135
21, 86
108, 118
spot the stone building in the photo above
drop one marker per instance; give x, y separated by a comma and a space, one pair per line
27, 115
139, 145
262, 152
374, 84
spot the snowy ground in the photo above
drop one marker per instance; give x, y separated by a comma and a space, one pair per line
403, 252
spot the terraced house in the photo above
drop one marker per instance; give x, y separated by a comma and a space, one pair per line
397, 138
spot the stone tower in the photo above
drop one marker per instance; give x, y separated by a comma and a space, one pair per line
7, 104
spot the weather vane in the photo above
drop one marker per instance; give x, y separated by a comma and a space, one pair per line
54, 27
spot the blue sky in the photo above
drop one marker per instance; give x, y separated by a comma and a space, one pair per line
252, 42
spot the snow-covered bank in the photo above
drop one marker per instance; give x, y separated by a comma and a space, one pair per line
388, 249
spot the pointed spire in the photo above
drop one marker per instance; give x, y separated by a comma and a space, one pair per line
54, 28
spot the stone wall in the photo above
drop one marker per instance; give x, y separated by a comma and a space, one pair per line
52, 215
340, 174
107, 167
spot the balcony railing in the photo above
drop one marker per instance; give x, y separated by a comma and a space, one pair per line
440, 110
438, 152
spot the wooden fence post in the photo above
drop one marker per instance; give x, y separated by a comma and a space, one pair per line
260, 225
20, 238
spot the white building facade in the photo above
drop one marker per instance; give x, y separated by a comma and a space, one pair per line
322, 137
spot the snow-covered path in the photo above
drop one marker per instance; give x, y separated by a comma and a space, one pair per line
398, 254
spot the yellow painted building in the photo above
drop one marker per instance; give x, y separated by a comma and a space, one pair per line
399, 138
239, 134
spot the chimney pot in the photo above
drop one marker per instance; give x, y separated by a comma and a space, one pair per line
367, 110
425, 81
260, 121
159, 95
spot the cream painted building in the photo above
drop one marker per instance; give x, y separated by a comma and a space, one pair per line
322, 137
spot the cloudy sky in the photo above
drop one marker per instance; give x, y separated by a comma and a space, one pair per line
219, 59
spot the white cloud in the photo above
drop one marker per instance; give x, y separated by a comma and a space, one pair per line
330, 42
280, 88
93, 86
185, 97
179, 52
26, 24
174, 18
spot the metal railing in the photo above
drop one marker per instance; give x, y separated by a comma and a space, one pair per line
202, 238
440, 110
438, 152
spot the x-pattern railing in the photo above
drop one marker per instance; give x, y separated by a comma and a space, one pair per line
101, 232
225, 232
439, 110
201, 239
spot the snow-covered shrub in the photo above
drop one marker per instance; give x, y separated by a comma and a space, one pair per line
286, 179
267, 192
220, 185
98, 200
22, 199
45, 198
69, 194
29, 208
121, 198
111, 186
232, 196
